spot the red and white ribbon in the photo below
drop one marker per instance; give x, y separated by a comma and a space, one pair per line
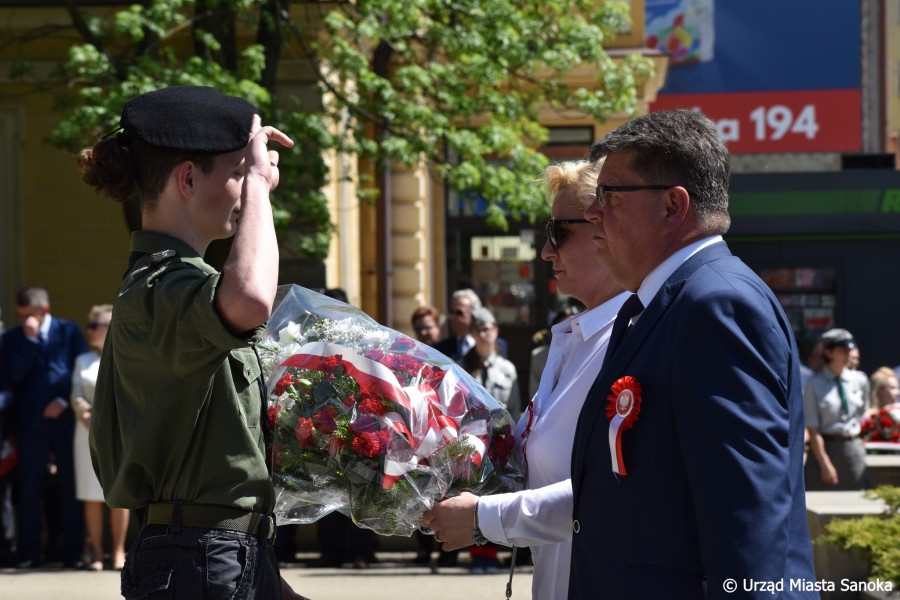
435, 414
622, 409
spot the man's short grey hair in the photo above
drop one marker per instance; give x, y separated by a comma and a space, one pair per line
33, 296
470, 295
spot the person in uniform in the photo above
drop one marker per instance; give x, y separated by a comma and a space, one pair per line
178, 426
834, 401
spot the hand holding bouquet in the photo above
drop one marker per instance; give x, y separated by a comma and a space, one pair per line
371, 423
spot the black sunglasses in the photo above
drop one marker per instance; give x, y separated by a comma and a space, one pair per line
94, 325
603, 189
555, 234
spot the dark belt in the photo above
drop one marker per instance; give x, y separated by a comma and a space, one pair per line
209, 516
838, 437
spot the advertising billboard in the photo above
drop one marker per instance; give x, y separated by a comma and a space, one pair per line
775, 76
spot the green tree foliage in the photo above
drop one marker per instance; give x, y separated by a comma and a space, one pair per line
402, 80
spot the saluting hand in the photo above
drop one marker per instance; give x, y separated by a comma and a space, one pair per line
261, 160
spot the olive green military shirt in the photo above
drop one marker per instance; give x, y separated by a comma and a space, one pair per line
176, 412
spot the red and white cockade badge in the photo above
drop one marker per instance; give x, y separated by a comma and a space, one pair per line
622, 409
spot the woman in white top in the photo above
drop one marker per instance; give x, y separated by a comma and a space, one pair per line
87, 487
541, 516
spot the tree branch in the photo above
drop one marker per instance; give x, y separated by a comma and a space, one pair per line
82, 27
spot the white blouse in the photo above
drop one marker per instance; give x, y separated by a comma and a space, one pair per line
541, 516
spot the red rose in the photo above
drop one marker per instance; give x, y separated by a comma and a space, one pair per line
375, 355
371, 404
273, 415
501, 447
408, 363
324, 419
283, 383
895, 436
303, 431
331, 363
886, 421
366, 443
403, 343
437, 377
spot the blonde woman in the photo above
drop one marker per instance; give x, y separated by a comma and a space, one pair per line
87, 487
885, 388
541, 516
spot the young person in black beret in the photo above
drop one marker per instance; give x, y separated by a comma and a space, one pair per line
179, 426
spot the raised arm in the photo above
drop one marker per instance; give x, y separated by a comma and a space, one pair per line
250, 276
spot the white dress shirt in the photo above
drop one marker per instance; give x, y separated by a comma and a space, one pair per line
541, 516
661, 273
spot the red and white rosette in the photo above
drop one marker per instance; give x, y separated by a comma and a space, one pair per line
622, 409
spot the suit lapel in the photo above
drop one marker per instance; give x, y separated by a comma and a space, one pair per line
590, 423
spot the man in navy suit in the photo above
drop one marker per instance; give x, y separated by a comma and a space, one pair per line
687, 466
38, 357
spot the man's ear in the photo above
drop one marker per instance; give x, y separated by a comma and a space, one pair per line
184, 178
678, 205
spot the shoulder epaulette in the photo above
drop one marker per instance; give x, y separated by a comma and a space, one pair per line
162, 255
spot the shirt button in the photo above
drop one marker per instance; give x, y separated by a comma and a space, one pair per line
576, 526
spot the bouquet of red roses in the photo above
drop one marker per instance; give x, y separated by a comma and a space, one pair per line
372, 423
882, 425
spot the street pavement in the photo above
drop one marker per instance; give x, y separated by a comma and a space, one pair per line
391, 578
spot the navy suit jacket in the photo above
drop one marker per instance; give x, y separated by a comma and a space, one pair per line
39, 372
714, 484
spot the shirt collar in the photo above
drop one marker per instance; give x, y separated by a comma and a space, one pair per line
658, 276
152, 241
590, 322
44, 329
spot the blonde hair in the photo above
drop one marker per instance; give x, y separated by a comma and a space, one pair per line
878, 380
99, 309
580, 174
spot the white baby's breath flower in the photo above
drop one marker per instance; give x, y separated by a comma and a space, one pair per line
376, 338
291, 333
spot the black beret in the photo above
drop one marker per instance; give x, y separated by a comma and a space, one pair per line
189, 119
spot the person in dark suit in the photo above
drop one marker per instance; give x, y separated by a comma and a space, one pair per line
687, 464
460, 340
8, 461
38, 357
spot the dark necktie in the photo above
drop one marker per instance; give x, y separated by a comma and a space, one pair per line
845, 408
630, 309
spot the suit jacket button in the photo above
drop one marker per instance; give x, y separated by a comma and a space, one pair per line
576, 526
